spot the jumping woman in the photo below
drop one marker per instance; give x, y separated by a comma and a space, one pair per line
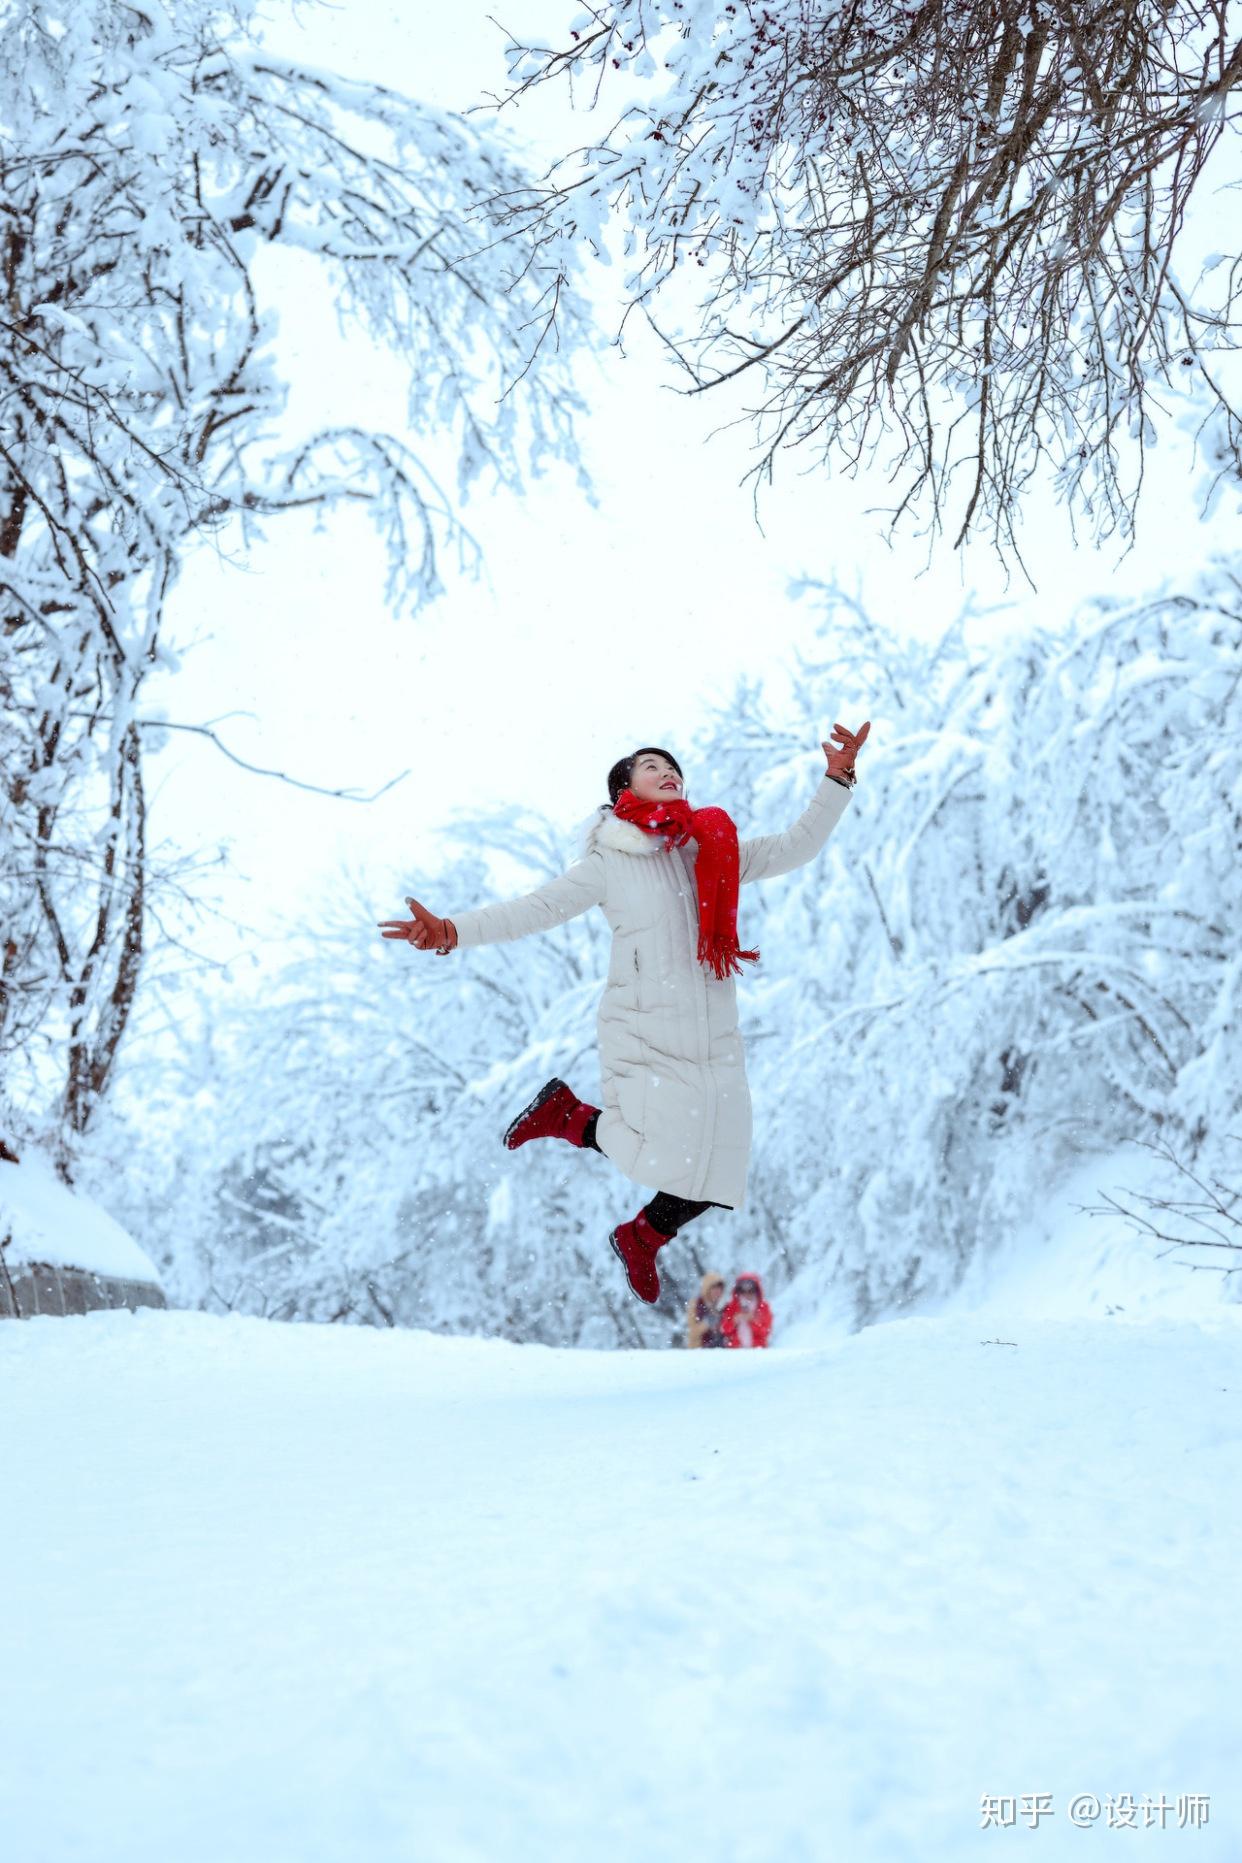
676, 1112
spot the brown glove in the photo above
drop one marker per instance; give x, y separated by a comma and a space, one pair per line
424, 930
841, 756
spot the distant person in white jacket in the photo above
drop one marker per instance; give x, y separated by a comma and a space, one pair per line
703, 1315
676, 1112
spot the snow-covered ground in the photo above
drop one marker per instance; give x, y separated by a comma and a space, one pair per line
313, 1595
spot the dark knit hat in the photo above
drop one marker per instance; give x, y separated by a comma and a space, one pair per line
621, 772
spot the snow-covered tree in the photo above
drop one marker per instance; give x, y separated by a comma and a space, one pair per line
941, 237
1020, 953
148, 154
1017, 951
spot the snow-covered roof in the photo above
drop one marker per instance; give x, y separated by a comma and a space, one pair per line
49, 1222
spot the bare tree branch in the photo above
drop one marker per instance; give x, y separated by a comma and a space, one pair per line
941, 236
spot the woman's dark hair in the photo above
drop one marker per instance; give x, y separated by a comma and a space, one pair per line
621, 772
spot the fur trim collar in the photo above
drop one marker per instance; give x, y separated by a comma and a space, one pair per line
603, 830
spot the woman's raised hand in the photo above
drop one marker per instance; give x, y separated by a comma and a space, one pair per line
423, 930
841, 756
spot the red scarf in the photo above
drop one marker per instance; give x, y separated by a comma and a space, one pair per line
715, 870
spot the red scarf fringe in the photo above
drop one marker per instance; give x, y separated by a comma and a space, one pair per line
715, 871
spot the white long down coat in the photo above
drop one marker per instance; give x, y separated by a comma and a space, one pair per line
676, 1107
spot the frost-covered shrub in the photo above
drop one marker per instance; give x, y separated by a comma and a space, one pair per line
1019, 946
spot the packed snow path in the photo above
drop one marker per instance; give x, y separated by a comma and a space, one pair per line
284, 1594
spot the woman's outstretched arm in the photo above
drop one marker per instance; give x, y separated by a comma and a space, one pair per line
768, 855
560, 899
571, 893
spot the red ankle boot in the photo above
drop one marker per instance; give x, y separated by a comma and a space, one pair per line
637, 1244
555, 1112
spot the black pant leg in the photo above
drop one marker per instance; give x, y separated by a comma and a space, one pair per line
667, 1213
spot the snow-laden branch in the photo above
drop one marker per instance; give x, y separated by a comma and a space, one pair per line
940, 237
147, 157
951, 1007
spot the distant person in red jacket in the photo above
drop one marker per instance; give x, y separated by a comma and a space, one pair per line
747, 1320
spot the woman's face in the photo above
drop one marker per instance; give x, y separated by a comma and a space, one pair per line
654, 779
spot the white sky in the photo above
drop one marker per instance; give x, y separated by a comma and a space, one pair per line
594, 629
